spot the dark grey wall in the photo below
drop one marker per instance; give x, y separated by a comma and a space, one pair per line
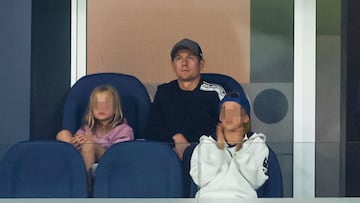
272, 39
351, 71
15, 39
35, 68
50, 65
328, 154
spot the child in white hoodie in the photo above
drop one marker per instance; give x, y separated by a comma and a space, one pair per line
233, 162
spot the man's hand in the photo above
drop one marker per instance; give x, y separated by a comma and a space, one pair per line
181, 144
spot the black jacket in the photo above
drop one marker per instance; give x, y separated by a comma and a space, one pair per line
192, 113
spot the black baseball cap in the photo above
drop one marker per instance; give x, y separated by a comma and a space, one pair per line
189, 44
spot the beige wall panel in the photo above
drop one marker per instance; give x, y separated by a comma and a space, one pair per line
135, 37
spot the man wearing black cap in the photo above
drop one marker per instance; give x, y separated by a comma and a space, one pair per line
186, 108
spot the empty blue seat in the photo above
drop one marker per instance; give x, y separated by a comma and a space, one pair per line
139, 169
43, 169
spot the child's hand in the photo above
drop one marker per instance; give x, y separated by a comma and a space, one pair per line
220, 136
78, 140
240, 138
236, 137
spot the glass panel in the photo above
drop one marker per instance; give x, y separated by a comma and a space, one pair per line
251, 41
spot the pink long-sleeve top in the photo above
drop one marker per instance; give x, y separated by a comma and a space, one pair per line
120, 133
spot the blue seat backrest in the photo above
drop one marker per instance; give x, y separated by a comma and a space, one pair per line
139, 169
43, 169
133, 94
273, 187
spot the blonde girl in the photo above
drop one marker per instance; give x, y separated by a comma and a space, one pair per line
103, 125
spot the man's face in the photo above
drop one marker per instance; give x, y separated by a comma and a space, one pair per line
231, 116
187, 66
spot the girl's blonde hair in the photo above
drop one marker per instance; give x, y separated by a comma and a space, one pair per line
118, 117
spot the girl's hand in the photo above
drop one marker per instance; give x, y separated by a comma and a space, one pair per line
78, 140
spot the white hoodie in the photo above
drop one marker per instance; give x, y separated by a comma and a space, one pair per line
229, 174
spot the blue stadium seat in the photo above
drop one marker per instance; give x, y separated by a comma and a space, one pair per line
133, 95
273, 187
139, 169
43, 169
